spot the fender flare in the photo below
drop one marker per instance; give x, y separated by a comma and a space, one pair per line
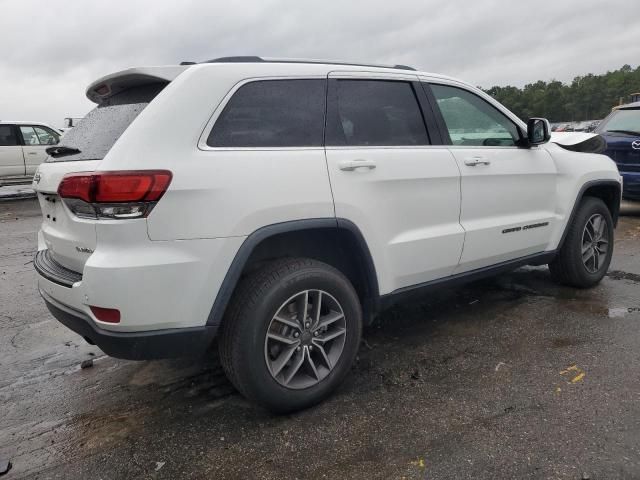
239, 262
579, 197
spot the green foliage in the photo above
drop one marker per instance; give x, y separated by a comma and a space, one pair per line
588, 97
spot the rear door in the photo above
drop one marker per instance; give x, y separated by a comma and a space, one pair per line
508, 192
11, 159
387, 177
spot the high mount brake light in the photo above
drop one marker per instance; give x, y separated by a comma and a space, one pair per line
117, 194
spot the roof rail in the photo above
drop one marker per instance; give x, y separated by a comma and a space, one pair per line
255, 59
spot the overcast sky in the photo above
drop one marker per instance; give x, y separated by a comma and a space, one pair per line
52, 50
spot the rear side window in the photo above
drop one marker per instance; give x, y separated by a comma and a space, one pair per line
375, 113
96, 133
8, 136
272, 113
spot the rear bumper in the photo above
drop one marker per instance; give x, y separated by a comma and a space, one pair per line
163, 285
146, 345
53, 271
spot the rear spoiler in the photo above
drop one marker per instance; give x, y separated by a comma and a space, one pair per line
114, 83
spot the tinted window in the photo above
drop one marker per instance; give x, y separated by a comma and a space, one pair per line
376, 113
272, 113
8, 136
96, 133
29, 135
46, 136
472, 121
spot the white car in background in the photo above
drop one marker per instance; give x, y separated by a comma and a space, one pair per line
23, 147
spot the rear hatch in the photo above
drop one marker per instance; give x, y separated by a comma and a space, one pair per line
69, 239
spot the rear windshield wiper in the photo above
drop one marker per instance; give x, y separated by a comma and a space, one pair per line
626, 132
60, 151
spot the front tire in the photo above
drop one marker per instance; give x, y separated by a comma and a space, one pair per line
291, 334
585, 256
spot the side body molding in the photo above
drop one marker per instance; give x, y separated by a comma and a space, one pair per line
238, 264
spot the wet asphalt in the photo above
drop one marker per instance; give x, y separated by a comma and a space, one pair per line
513, 377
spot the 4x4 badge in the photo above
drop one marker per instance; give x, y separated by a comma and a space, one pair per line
636, 145
36, 178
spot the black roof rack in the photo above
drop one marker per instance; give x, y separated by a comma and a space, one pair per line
255, 59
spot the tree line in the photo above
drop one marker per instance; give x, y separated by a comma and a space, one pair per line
588, 97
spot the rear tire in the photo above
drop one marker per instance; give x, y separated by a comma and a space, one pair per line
585, 256
291, 334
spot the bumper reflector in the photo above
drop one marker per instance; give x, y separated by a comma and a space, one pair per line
108, 315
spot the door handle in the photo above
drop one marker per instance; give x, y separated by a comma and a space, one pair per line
476, 160
350, 165
32, 153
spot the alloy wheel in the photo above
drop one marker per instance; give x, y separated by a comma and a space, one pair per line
305, 339
595, 243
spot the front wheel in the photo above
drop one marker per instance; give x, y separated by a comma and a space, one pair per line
292, 334
585, 256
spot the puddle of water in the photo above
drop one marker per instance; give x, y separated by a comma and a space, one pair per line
621, 312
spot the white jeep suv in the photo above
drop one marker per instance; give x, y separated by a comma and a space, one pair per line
278, 206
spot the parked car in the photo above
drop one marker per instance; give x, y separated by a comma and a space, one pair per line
621, 130
592, 125
290, 204
23, 145
586, 126
564, 127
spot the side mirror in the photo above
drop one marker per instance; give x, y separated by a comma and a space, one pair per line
538, 131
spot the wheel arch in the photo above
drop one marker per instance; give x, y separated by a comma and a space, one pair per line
337, 242
609, 191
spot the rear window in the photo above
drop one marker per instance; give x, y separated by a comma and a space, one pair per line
96, 133
272, 113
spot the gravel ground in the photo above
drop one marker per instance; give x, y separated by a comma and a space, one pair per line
513, 377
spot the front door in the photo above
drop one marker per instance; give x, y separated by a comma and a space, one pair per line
508, 192
386, 177
36, 140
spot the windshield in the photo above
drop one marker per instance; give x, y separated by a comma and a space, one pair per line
622, 121
96, 133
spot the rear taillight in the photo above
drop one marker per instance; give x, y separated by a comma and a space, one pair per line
118, 194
